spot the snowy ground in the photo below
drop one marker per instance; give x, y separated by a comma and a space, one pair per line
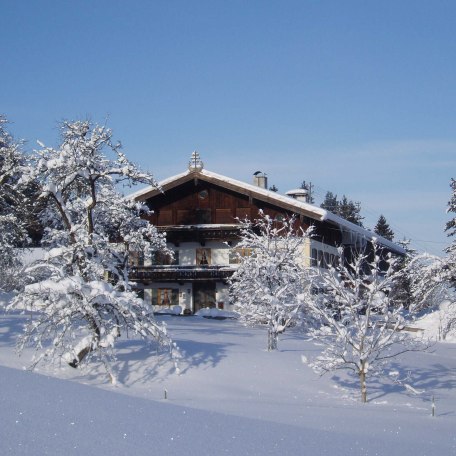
233, 397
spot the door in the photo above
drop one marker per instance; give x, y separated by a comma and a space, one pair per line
203, 295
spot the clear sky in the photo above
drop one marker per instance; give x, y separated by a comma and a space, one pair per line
358, 97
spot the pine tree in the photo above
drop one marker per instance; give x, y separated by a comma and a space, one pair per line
451, 224
350, 211
345, 208
330, 203
451, 230
383, 229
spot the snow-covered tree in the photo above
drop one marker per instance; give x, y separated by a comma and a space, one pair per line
383, 229
426, 276
450, 266
360, 328
451, 224
405, 243
431, 290
12, 207
433, 277
82, 296
266, 283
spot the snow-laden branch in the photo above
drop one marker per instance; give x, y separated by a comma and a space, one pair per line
83, 297
269, 278
360, 326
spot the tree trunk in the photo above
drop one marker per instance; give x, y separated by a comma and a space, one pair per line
88, 348
80, 356
362, 381
272, 339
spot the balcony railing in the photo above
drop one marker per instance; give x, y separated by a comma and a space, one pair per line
200, 233
179, 273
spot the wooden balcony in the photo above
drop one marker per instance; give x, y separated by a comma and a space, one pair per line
180, 273
200, 233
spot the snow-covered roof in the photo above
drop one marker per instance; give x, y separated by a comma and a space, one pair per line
291, 204
363, 232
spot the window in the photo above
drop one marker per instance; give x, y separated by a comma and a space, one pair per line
320, 258
166, 297
314, 258
327, 261
203, 194
237, 254
203, 257
323, 259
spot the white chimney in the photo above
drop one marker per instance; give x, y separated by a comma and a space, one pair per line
260, 179
300, 194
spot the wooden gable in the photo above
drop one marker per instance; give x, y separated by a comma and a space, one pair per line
201, 202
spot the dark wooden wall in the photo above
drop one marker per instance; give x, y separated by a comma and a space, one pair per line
206, 203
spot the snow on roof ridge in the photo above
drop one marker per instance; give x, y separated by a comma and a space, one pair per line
323, 213
160, 185
296, 191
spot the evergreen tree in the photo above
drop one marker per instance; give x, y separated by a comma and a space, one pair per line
451, 230
330, 203
383, 229
451, 225
350, 211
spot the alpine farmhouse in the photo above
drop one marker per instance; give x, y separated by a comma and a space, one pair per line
199, 211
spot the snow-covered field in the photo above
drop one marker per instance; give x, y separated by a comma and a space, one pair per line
232, 397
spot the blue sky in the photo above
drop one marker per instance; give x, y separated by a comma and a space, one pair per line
358, 97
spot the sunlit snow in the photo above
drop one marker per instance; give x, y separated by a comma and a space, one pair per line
232, 397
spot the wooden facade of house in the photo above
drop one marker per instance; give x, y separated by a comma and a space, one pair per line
199, 211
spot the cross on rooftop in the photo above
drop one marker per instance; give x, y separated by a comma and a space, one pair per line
195, 163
